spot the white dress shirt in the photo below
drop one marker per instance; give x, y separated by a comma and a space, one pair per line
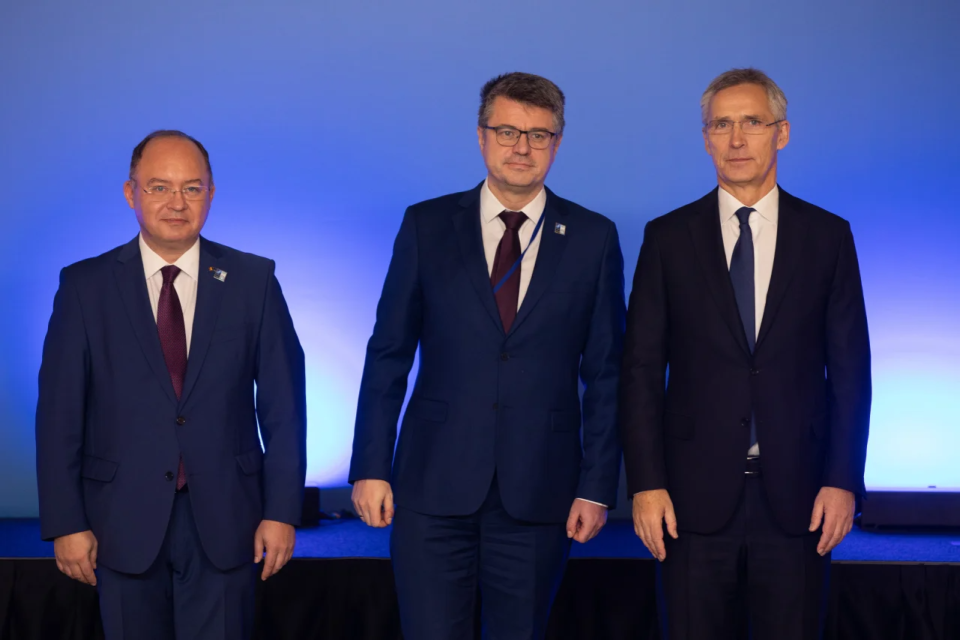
185, 284
492, 228
763, 224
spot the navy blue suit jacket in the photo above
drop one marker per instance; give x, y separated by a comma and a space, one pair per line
485, 400
807, 381
110, 429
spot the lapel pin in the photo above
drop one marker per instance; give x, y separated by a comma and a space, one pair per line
560, 229
219, 274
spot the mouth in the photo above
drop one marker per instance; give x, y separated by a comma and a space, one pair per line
738, 160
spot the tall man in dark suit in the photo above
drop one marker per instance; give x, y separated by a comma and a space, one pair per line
753, 451
512, 295
153, 484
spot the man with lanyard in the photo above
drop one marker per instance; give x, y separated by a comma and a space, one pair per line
512, 295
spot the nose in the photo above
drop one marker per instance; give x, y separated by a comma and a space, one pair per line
523, 145
177, 202
737, 139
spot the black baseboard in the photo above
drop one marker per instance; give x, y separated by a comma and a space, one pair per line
920, 508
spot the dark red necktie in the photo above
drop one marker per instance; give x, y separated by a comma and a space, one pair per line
173, 341
508, 251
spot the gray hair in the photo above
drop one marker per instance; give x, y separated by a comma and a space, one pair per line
737, 77
524, 88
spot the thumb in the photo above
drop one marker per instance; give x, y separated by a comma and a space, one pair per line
671, 519
817, 515
388, 509
258, 547
572, 521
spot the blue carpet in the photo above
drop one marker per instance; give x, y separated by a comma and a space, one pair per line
353, 539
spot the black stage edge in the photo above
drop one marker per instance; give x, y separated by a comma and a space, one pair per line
600, 599
930, 508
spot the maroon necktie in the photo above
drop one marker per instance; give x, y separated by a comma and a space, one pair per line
508, 251
173, 341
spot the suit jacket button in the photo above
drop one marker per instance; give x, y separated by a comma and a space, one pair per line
744, 423
754, 372
495, 406
168, 475
504, 356
181, 421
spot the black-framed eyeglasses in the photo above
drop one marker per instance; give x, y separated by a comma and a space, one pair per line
750, 126
510, 136
163, 192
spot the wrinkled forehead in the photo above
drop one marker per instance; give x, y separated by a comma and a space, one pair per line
172, 159
740, 102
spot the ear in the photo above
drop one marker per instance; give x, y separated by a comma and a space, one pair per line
556, 145
481, 138
783, 135
213, 190
129, 192
706, 141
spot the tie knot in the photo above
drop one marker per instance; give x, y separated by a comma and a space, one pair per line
513, 219
743, 213
170, 273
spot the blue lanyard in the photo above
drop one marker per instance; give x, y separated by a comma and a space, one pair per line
516, 264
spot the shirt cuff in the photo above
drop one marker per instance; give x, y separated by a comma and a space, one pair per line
592, 502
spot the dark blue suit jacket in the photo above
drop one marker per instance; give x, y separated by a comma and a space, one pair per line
110, 429
807, 381
485, 400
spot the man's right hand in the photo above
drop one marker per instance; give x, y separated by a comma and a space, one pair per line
76, 556
373, 500
650, 510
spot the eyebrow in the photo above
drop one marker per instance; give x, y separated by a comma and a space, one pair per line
510, 126
161, 180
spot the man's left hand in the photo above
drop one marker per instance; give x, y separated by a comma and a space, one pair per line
276, 540
585, 521
834, 507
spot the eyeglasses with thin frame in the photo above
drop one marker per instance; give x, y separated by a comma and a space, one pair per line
750, 126
163, 192
510, 136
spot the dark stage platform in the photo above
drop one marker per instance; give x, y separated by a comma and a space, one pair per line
884, 585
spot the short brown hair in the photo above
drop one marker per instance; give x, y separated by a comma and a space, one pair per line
749, 75
524, 88
166, 133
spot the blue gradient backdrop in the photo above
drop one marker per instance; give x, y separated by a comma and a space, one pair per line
324, 120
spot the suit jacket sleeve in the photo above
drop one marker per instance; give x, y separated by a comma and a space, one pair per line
643, 376
600, 373
61, 410
281, 409
848, 374
390, 354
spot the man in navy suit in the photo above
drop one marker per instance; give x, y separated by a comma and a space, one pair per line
752, 450
513, 296
153, 484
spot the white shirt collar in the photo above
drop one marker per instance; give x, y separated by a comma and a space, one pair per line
491, 207
768, 206
189, 262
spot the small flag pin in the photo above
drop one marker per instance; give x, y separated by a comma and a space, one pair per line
560, 229
219, 274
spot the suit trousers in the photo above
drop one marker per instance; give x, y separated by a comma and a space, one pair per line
182, 595
750, 575
440, 563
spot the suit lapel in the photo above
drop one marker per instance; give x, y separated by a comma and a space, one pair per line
549, 253
209, 294
704, 229
791, 231
466, 224
133, 291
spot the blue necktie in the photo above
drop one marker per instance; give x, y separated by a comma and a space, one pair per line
741, 275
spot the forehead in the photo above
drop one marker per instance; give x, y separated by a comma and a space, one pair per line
738, 101
172, 158
519, 115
